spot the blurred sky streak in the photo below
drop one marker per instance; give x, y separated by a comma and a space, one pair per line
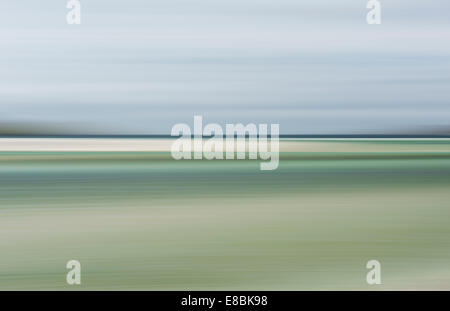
140, 66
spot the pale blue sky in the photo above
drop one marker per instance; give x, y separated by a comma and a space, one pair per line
140, 66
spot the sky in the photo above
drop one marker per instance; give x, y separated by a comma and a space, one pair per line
141, 66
